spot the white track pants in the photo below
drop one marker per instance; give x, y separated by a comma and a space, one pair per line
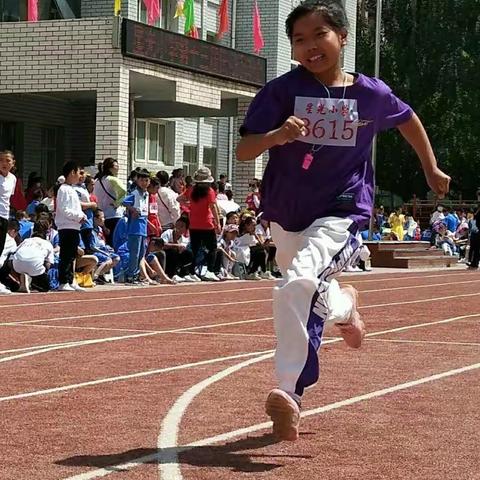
309, 295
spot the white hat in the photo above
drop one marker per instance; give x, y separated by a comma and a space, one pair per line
203, 175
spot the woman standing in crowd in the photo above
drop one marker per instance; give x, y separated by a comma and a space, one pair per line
204, 220
110, 193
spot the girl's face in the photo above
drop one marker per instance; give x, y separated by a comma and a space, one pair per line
115, 169
316, 45
233, 220
89, 185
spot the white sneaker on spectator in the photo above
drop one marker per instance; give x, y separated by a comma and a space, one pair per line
77, 287
267, 276
65, 287
189, 279
4, 290
178, 279
210, 277
229, 276
195, 278
253, 276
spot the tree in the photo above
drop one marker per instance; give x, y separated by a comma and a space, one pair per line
430, 57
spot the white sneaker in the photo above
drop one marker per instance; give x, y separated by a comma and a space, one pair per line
77, 287
4, 290
189, 279
195, 278
178, 279
229, 276
65, 287
210, 277
267, 276
253, 276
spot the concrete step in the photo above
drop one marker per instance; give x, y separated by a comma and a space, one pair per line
390, 245
428, 262
415, 253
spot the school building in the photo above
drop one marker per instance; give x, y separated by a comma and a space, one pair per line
84, 84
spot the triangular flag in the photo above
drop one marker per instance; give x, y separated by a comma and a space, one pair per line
153, 10
179, 10
223, 20
117, 9
32, 12
189, 12
258, 42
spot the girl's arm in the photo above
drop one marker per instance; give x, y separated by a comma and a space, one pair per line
253, 145
415, 134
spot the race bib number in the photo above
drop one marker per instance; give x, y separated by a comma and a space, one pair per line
329, 121
154, 208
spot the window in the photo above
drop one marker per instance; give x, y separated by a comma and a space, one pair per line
140, 139
190, 159
16, 10
151, 142
210, 159
49, 153
165, 21
7, 136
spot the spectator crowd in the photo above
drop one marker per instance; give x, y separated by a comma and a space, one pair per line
89, 230
454, 231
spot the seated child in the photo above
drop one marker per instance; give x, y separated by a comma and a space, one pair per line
248, 250
33, 258
179, 258
227, 253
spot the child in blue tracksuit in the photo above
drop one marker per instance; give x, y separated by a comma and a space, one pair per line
137, 206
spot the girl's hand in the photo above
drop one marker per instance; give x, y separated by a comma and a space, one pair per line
438, 181
293, 128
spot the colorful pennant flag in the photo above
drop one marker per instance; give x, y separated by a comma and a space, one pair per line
258, 42
154, 11
223, 19
117, 9
179, 10
189, 12
32, 11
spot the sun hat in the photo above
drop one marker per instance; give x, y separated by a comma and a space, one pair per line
203, 175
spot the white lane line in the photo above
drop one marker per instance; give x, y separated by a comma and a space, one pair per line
37, 347
410, 302
168, 438
82, 343
209, 305
227, 334
85, 299
131, 376
147, 373
405, 276
389, 289
77, 327
132, 312
128, 297
169, 459
424, 342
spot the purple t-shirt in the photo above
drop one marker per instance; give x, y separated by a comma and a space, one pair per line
340, 179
